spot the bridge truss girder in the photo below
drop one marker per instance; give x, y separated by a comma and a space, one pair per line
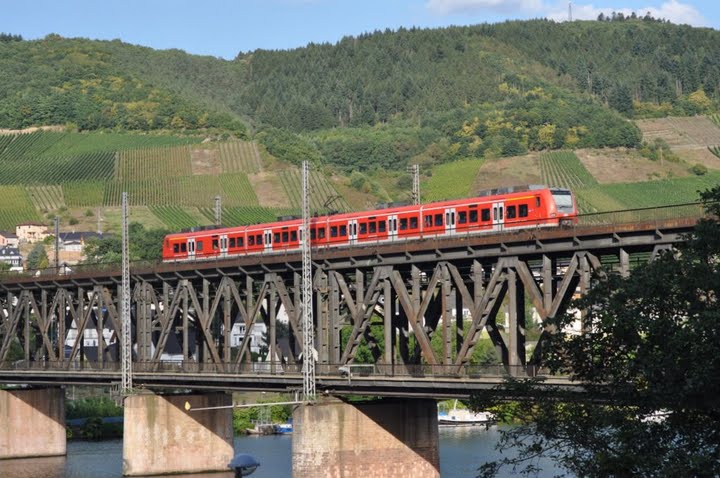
406, 305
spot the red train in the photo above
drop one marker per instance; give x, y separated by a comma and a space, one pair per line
512, 208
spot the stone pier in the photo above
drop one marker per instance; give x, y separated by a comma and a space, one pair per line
375, 439
162, 437
32, 423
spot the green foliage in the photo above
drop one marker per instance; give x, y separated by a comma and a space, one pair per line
323, 195
698, 169
659, 150
648, 361
92, 407
16, 207
174, 217
37, 259
145, 245
289, 147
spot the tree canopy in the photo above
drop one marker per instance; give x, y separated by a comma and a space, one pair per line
648, 360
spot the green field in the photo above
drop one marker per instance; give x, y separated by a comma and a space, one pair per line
148, 162
323, 196
450, 180
564, 169
241, 216
17, 207
240, 157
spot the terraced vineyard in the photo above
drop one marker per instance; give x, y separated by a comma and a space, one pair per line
242, 216
715, 150
323, 196
149, 162
240, 157
47, 198
564, 169
237, 190
16, 207
174, 217
84, 193
651, 193
451, 180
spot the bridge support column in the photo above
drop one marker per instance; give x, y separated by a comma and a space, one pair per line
32, 423
384, 438
162, 437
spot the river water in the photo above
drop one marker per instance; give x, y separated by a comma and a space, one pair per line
462, 451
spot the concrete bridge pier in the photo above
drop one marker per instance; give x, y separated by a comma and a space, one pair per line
32, 423
374, 439
162, 437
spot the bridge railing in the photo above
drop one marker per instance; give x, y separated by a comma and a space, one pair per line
348, 371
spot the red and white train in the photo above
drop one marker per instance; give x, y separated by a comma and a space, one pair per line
511, 209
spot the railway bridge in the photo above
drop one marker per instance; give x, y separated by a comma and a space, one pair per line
415, 310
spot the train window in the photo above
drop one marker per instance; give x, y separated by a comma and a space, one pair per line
293, 236
286, 236
251, 240
200, 245
473, 216
523, 210
363, 228
312, 234
258, 239
511, 212
462, 217
215, 245
183, 247
276, 237
176, 248
240, 241
232, 242
485, 216
438, 219
333, 231
343, 231
537, 201
321, 233
404, 223
381, 226
413, 223
372, 226
428, 220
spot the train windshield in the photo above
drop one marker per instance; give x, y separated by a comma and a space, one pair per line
563, 200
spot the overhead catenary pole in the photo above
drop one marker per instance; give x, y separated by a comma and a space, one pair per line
416, 184
126, 339
57, 245
307, 291
218, 210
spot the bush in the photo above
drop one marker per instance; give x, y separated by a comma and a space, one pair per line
699, 169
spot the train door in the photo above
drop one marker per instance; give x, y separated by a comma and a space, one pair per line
392, 227
450, 220
191, 248
223, 245
352, 231
498, 216
267, 239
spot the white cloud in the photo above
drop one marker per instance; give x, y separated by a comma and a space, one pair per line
671, 10
446, 7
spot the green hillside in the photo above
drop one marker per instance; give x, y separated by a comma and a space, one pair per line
476, 107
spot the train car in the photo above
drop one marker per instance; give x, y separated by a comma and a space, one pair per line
490, 211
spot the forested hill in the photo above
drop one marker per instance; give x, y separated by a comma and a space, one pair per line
381, 99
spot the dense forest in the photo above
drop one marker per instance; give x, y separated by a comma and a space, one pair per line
382, 99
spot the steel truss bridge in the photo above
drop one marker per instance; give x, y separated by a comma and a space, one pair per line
400, 294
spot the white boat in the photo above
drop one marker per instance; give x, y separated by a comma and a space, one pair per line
464, 417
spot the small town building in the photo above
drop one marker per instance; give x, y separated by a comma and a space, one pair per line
9, 239
11, 255
72, 244
31, 232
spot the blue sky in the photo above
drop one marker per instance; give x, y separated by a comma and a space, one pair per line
222, 28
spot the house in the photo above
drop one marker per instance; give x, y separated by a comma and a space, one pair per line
72, 244
8, 239
31, 232
11, 255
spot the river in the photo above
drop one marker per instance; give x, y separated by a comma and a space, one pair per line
462, 451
